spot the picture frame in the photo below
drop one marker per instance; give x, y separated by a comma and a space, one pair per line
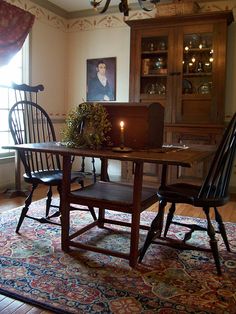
101, 79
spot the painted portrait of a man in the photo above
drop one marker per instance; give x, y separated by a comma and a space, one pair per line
101, 79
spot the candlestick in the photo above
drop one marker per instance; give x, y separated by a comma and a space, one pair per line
122, 148
122, 134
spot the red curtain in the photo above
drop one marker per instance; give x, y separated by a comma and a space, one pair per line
15, 25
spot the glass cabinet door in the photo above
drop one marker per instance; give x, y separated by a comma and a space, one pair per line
154, 67
198, 66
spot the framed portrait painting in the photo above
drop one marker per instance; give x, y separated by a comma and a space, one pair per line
101, 79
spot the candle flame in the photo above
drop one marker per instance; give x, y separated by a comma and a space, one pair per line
122, 124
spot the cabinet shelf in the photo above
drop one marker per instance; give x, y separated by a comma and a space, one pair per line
154, 75
197, 50
145, 96
197, 74
154, 52
196, 96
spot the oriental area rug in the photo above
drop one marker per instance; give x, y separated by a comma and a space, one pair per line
34, 269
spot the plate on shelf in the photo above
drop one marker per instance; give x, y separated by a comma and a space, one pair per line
187, 87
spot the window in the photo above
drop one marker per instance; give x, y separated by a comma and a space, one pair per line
16, 71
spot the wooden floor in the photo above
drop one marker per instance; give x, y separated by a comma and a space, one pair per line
9, 305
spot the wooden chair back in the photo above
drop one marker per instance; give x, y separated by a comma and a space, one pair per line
26, 92
215, 187
30, 123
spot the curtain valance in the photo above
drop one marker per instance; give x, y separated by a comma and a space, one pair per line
15, 25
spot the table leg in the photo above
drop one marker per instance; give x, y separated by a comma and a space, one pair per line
135, 220
64, 204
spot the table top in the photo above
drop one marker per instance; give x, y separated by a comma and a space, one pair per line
171, 155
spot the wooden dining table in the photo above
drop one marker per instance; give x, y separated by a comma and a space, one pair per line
165, 156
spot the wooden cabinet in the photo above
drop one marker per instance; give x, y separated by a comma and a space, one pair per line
180, 62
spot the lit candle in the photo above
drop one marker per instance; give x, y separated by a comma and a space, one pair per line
122, 139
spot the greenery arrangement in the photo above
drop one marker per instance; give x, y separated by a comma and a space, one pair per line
87, 126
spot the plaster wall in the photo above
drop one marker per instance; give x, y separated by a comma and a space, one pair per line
92, 44
48, 66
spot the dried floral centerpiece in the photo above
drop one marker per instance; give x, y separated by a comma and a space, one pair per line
87, 126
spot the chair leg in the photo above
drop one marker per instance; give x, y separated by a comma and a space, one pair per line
58, 212
101, 217
213, 241
49, 200
94, 170
49, 204
169, 218
26, 207
155, 229
222, 228
81, 182
92, 211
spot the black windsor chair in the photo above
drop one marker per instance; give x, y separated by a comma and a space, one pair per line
212, 193
30, 123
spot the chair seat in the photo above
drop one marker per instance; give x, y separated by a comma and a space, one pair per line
113, 195
181, 191
52, 177
189, 194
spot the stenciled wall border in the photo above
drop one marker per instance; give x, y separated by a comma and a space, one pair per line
103, 21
